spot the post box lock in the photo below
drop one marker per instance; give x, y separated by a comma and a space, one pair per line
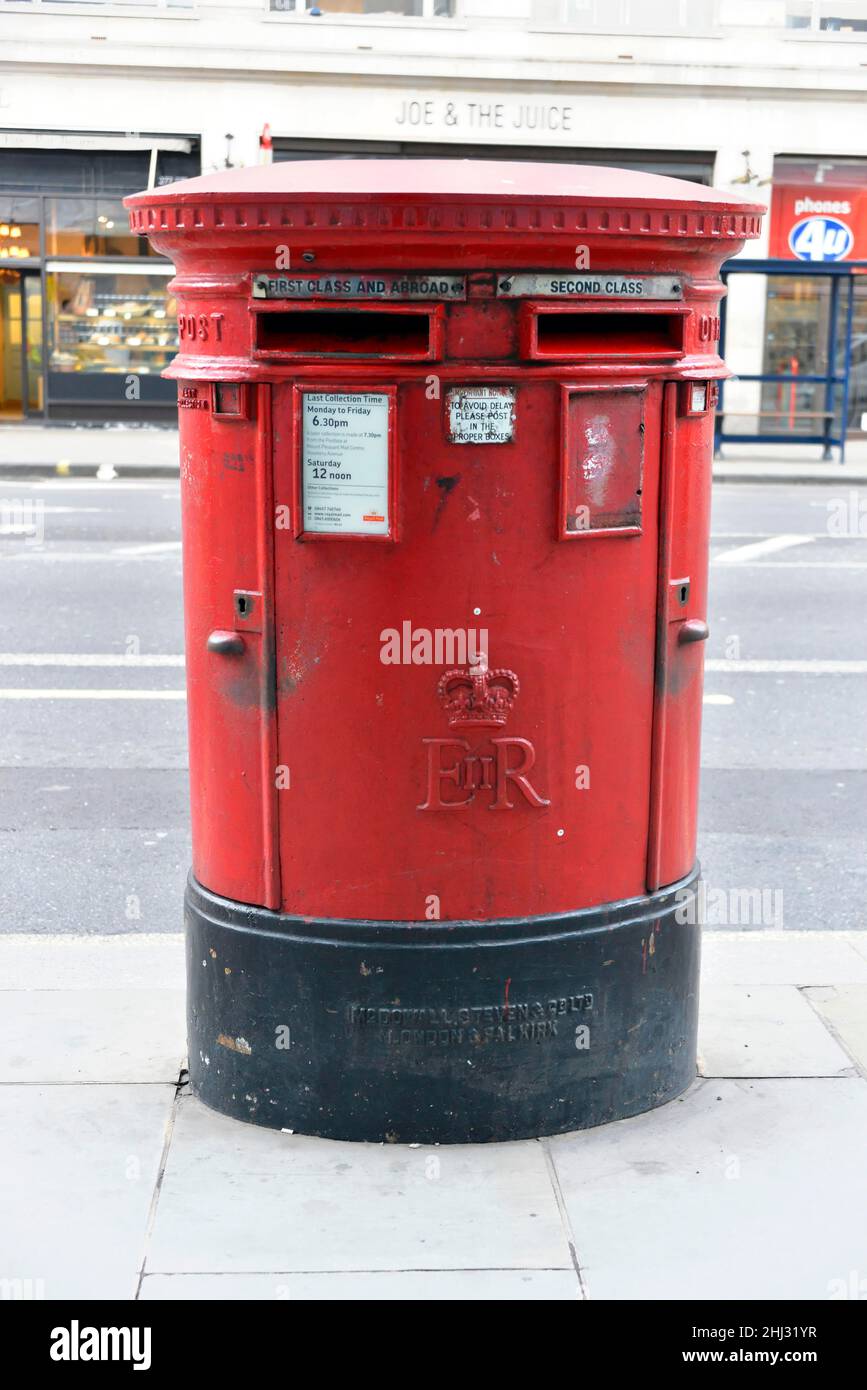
247, 604
680, 591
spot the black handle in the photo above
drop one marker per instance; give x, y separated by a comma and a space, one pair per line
226, 643
693, 630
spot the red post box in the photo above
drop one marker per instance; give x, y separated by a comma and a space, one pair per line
446, 436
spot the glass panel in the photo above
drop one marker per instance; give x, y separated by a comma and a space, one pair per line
19, 228
91, 227
795, 408
11, 376
110, 323
842, 16
796, 313
796, 343
745, 300
826, 16
858, 366
33, 343
796, 324
627, 16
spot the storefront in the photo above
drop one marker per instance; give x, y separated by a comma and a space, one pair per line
86, 322
805, 379
695, 165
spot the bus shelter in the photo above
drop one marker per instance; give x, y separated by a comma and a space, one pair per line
809, 379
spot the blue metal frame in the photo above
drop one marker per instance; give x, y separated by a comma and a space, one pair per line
834, 430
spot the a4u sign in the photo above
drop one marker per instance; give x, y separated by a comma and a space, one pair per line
821, 239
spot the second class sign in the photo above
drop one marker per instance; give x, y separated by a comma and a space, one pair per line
609, 284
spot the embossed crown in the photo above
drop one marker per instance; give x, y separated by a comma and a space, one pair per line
476, 697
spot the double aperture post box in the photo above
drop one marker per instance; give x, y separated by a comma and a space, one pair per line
445, 435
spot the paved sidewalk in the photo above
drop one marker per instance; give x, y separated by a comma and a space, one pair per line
118, 1184
802, 463
60, 450
130, 451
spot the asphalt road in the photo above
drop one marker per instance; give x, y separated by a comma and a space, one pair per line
93, 791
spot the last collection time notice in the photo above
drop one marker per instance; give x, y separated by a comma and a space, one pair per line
345, 463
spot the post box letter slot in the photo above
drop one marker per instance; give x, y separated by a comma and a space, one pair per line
345, 333
604, 334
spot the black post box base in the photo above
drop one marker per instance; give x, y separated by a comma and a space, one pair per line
442, 1032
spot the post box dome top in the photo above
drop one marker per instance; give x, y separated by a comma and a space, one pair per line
331, 199
468, 180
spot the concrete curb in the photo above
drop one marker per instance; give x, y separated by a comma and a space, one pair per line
841, 477
16, 472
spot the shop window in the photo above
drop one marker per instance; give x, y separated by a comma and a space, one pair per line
91, 227
94, 174
19, 229
110, 323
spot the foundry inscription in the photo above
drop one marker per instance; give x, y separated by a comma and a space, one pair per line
427, 1025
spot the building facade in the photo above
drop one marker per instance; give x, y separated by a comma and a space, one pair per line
100, 99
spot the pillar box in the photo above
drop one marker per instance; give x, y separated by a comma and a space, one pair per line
445, 437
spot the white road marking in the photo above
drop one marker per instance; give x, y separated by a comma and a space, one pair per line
759, 535
59, 484
805, 565
806, 667
87, 659
151, 548
768, 546
33, 552
718, 700
852, 485
48, 694
51, 510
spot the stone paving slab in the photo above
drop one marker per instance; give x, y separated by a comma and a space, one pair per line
740, 1190
80, 1035
240, 1199
844, 1010
764, 1030
784, 958
78, 1168
33, 961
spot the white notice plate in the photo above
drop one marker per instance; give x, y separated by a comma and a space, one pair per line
344, 462
481, 414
